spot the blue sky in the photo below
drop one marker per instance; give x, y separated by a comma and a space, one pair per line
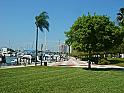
17, 19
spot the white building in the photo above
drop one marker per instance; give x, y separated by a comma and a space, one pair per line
63, 48
122, 55
4, 51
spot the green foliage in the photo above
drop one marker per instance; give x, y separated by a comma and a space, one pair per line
120, 64
116, 60
41, 21
120, 49
94, 33
113, 61
103, 62
78, 54
60, 80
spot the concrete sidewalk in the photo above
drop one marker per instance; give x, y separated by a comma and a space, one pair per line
69, 63
28, 65
12, 66
72, 62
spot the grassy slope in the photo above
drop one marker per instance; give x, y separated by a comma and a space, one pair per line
60, 80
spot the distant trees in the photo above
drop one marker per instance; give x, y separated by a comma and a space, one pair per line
41, 23
94, 34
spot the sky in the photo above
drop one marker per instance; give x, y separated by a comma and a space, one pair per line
17, 19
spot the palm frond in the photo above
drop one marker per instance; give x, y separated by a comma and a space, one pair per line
119, 14
44, 15
41, 21
46, 25
41, 28
122, 11
120, 17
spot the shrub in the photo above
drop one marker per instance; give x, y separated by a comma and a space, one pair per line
103, 62
84, 59
116, 60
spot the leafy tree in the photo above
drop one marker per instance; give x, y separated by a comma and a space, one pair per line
94, 34
120, 48
120, 17
41, 23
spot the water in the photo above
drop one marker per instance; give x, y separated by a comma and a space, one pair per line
9, 59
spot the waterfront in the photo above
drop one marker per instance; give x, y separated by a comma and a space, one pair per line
9, 60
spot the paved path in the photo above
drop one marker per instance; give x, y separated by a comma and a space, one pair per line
12, 66
72, 62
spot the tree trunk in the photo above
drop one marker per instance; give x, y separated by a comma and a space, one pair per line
106, 54
69, 50
36, 46
41, 54
89, 63
119, 55
111, 55
41, 58
17, 61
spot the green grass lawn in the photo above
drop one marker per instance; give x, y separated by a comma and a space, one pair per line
61, 80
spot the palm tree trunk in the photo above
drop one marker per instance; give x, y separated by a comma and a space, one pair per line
36, 46
41, 54
41, 58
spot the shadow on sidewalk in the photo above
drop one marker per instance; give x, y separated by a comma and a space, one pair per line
105, 69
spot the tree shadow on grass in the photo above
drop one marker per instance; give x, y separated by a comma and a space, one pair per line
104, 69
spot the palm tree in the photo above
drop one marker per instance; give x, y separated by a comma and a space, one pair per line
120, 17
41, 23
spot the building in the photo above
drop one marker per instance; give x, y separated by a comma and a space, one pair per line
63, 48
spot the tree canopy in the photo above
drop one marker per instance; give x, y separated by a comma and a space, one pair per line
94, 33
41, 21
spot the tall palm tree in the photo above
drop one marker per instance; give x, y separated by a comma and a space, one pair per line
41, 23
120, 17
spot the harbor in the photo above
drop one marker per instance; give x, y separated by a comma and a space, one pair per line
10, 57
